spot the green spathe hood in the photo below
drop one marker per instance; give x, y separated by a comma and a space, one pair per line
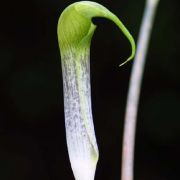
75, 28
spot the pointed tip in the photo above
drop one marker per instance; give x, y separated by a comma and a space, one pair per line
129, 59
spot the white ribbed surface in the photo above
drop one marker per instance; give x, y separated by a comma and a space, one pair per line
81, 141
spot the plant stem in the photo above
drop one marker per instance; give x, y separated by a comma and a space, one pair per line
134, 91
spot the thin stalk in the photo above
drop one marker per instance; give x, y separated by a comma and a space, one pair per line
134, 90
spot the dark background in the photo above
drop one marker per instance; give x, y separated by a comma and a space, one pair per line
32, 133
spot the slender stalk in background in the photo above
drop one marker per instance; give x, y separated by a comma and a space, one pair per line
134, 90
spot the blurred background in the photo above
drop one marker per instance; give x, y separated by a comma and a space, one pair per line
32, 133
